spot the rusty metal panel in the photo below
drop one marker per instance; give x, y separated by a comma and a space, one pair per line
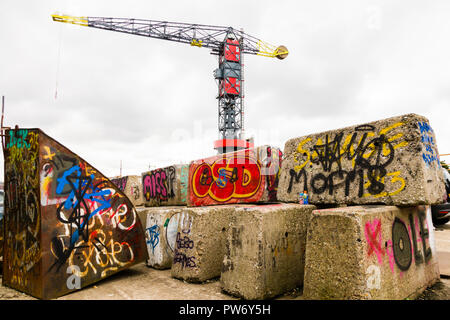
22, 220
87, 229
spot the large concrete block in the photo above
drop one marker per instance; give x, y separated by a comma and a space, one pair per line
161, 233
166, 186
248, 176
200, 242
265, 250
66, 225
394, 161
370, 252
132, 187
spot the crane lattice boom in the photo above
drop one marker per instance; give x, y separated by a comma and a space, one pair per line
226, 42
194, 34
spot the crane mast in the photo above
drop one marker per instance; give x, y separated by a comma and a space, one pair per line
226, 42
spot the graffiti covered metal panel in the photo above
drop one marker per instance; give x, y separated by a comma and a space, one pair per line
86, 228
22, 219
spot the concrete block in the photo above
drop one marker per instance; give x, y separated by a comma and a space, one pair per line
200, 242
166, 186
132, 187
370, 252
265, 250
247, 176
66, 225
394, 161
161, 232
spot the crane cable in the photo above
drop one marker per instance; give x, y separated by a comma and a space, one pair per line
58, 61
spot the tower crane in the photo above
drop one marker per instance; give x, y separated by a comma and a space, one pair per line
227, 43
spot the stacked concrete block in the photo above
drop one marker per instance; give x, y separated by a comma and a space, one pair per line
265, 250
166, 186
394, 161
370, 252
132, 187
246, 176
161, 233
200, 242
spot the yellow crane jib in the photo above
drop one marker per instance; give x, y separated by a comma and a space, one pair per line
196, 43
81, 21
268, 50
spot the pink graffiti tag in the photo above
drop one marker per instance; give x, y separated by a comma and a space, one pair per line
390, 253
372, 232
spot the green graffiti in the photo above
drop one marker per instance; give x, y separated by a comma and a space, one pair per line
18, 138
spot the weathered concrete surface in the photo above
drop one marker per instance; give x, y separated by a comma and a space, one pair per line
370, 252
161, 233
392, 161
247, 176
132, 187
166, 186
66, 225
265, 254
200, 242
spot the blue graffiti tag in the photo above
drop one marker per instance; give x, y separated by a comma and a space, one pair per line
80, 187
430, 155
223, 179
154, 236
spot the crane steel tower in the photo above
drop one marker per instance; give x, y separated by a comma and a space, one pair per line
226, 42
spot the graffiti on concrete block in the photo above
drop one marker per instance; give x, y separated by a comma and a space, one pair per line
153, 236
360, 160
121, 183
135, 191
184, 178
235, 177
430, 154
184, 244
159, 184
408, 242
373, 273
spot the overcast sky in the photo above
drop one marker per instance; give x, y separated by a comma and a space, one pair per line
151, 103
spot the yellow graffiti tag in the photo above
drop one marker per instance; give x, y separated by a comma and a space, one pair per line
395, 178
49, 155
304, 152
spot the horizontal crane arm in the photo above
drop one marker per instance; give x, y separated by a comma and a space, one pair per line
194, 34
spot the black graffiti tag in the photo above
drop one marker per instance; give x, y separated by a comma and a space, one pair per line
370, 158
401, 245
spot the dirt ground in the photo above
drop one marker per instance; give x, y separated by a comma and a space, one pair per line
143, 283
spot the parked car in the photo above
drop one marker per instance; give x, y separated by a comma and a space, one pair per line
440, 213
2, 198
